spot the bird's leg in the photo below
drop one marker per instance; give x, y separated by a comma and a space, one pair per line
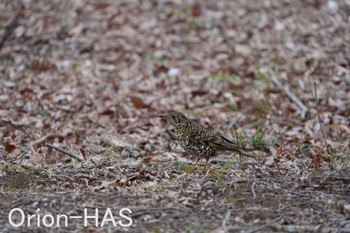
194, 165
206, 163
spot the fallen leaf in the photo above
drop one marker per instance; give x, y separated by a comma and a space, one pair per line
138, 102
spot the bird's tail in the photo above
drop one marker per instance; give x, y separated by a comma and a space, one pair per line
244, 153
227, 144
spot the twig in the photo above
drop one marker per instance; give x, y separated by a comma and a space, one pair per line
143, 211
77, 157
291, 96
44, 138
309, 72
226, 219
319, 120
234, 122
323, 133
252, 188
9, 26
223, 161
306, 228
236, 135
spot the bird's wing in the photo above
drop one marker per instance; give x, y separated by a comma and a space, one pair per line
218, 141
222, 143
209, 138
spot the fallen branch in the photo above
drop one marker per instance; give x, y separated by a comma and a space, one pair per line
77, 157
291, 96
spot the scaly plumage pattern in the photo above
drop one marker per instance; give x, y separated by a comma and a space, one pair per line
201, 142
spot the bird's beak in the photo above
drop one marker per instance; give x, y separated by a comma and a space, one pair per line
163, 116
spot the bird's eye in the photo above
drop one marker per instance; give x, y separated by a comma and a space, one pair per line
173, 117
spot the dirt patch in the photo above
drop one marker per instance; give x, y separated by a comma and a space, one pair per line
231, 201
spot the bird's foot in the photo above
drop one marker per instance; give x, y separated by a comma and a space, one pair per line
193, 168
194, 165
205, 165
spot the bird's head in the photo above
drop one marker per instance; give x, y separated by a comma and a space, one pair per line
177, 118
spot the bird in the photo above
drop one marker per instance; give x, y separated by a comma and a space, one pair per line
200, 141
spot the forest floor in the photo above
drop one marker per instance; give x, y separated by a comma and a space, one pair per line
92, 77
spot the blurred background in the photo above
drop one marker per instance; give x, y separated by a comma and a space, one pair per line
92, 76
74, 69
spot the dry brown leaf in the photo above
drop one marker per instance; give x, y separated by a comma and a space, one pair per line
138, 102
9, 147
344, 127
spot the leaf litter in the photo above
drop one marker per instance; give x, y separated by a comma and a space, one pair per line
92, 77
